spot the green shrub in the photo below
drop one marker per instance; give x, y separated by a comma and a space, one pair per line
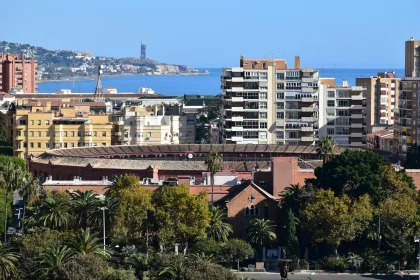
203, 270
120, 274
304, 265
259, 270
374, 261
338, 264
84, 267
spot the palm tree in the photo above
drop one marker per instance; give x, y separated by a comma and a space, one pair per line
326, 148
11, 180
176, 270
95, 217
8, 262
290, 197
87, 243
29, 190
55, 213
51, 260
83, 204
138, 262
214, 164
218, 230
260, 232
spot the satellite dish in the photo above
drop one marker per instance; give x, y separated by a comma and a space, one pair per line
190, 156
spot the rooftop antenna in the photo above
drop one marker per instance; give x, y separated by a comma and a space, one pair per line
99, 93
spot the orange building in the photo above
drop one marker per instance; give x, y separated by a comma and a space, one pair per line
18, 73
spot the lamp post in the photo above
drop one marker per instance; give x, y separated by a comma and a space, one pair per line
103, 209
417, 240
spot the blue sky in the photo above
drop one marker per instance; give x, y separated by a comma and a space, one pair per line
213, 33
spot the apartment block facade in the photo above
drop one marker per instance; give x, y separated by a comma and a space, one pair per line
265, 102
342, 113
144, 124
33, 130
381, 99
412, 58
406, 132
18, 73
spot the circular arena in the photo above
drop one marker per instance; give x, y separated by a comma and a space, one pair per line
164, 161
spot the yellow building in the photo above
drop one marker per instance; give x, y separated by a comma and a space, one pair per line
34, 129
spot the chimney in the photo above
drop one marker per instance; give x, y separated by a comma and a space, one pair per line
393, 72
297, 62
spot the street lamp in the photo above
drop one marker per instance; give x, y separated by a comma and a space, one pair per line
103, 209
417, 240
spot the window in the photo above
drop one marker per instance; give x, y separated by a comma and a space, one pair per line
47, 134
78, 133
280, 115
263, 105
39, 133
330, 121
252, 211
263, 125
330, 93
22, 122
95, 133
39, 145
264, 65
280, 134
103, 144
47, 122
280, 105
39, 122
280, 95
330, 131
343, 103
65, 133
103, 133
31, 144
263, 115
263, 95
149, 134
25, 133
330, 112
330, 103
72, 134
65, 145
47, 145
32, 134
263, 135
280, 76
32, 122
293, 135
72, 145
280, 85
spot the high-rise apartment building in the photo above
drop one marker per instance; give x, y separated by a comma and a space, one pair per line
342, 113
412, 58
381, 98
17, 73
143, 50
406, 132
265, 102
32, 130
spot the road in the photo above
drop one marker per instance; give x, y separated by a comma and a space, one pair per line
273, 276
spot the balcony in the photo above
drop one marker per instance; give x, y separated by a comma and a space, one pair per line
237, 128
356, 144
237, 79
356, 116
357, 107
307, 119
307, 139
309, 109
237, 109
357, 97
237, 138
237, 69
235, 89
237, 99
308, 80
307, 99
357, 125
356, 134
306, 128
237, 119
307, 89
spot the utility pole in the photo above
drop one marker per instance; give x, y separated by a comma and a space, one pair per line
103, 210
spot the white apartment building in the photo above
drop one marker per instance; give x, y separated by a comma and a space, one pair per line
265, 102
342, 112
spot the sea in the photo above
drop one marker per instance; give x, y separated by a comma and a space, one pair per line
200, 84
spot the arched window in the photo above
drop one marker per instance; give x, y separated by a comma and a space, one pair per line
252, 211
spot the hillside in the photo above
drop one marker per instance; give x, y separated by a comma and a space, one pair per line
65, 64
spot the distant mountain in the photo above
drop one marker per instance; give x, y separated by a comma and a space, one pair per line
65, 64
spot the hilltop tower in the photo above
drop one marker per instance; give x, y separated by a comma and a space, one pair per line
143, 50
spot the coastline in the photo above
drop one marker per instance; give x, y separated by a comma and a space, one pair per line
119, 76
